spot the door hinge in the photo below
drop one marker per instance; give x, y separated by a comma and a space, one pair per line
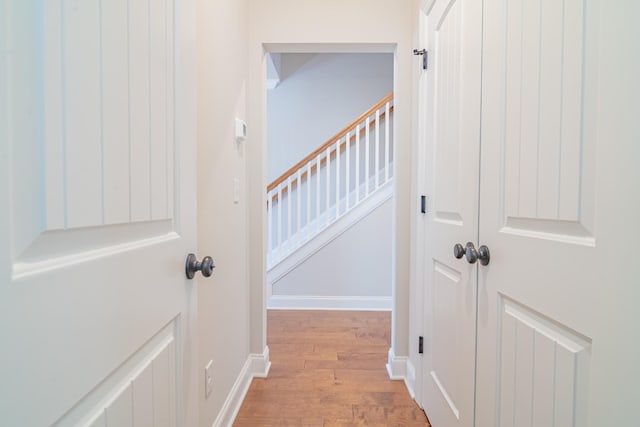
420, 345
425, 56
423, 204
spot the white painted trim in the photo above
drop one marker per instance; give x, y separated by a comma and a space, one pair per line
400, 368
260, 364
396, 366
410, 380
418, 222
330, 47
24, 269
256, 366
329, 234
304, 302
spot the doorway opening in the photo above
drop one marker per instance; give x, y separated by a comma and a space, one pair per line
329, 140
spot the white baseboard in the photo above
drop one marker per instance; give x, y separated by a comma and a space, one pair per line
400, 368
256, 366
260, 364
303, 302
396, 366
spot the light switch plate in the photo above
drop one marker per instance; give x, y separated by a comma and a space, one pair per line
236, 190
208, 379
241, 130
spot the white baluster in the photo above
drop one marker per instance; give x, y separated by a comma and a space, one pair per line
377, 156
270, 221
289, 213
318, 192
357, 164
298, 196
328, 166
387, 124
367, 158
279, 240
347, 167
308, 198
338, 178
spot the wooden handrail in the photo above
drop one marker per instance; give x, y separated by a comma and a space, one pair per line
350, 127
324, 159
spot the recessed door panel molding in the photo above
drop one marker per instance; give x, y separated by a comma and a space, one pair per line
448, 290
449, 143
100, 120
59, 248
104, 144
444, 394
542, 370
141, 390
548, 143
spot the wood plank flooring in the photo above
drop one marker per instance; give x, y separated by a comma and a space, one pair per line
328, 369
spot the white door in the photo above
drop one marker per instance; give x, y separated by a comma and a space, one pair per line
97, 153
558, 333
452, 147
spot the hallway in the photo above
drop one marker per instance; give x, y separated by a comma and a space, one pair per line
328, 369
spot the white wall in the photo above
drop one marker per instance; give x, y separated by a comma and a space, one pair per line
355, 264
330, 26
318, 95
223, 305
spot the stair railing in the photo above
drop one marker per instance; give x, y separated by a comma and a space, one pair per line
330, 181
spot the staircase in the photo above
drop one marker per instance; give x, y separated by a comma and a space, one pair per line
330, 189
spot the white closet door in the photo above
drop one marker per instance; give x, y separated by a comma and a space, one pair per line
97, 153
452, 147
558, 334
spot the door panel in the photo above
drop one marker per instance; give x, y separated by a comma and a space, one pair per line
97, 189
94, 300
541, 364
547, 167
451, 146
557, 340
448, 328
141, 392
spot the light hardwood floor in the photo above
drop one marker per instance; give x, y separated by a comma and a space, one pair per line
328, 369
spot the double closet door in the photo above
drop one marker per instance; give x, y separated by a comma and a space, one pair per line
531, 150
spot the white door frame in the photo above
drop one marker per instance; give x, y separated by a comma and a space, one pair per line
329, 48
384, 26
416, 322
